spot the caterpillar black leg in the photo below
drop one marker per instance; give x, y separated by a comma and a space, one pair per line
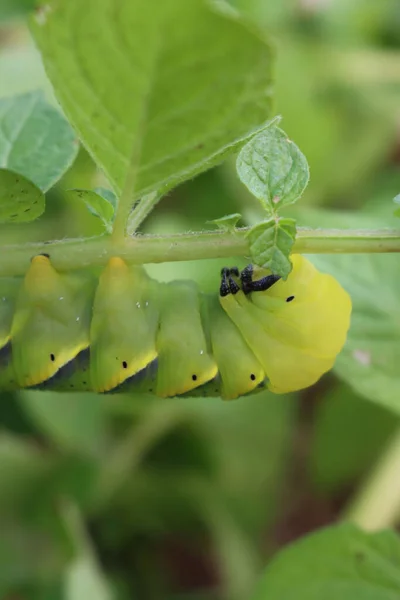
260, 285
228, 284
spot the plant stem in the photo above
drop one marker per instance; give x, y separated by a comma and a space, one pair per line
143, 208
79, 253
377, 503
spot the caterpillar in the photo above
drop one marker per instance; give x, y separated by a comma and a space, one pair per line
123, 330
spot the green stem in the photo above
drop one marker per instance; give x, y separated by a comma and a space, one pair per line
377, 504
143, 208
79, 253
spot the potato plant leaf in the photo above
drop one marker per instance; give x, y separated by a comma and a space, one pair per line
273, 169
20, 199
227, 223
339, 563
35, 139
271, 243
178, 87
97, 204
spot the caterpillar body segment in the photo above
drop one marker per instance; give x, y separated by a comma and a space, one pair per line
124, 331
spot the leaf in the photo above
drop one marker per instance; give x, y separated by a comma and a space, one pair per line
107, 195
271, 243
22, 467
273, 169
227, 223
73, 421
35, 139
396, 200
370, 359
337, 460
337, 563
20, 199
178, 87
98, 205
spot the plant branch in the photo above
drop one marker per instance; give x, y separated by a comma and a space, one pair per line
377, 504
79, 253
142, 209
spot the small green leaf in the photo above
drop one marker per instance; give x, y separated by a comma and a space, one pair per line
108, 195
180, 87
396, 200
274, 170
98, 205
20, 199
35, 139
339, 563
271, 243
227, 223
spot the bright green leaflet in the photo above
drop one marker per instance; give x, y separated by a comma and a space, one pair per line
227, 223
273, 169
20, 199
271, 243
197, 81
97, 205
35, 139
339, 563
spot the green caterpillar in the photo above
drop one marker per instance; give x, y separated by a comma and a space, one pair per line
125, 331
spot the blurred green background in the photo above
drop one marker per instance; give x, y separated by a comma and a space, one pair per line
185, 499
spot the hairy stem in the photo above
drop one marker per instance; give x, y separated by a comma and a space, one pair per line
143, 208
78, 253
377, 504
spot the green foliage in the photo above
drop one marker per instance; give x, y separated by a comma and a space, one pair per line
227, 223
370, 359
97, 204
396, 200
339, 563
35, 139
273, 169
20, 199
96, 494
72, 421
271, 243
173, 93
348, 435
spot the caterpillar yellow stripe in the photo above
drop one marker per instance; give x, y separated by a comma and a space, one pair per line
123, 331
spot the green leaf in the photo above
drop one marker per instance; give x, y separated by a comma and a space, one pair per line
22, 467
396, 200
178, 87
273, 169
370, 359
20, 199
338, 563
227, 223
73, 421
97, 205
107, 195
271, 243
337, 460
35, 139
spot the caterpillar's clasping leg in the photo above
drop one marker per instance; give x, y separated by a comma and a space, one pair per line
228, 284
248, 285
